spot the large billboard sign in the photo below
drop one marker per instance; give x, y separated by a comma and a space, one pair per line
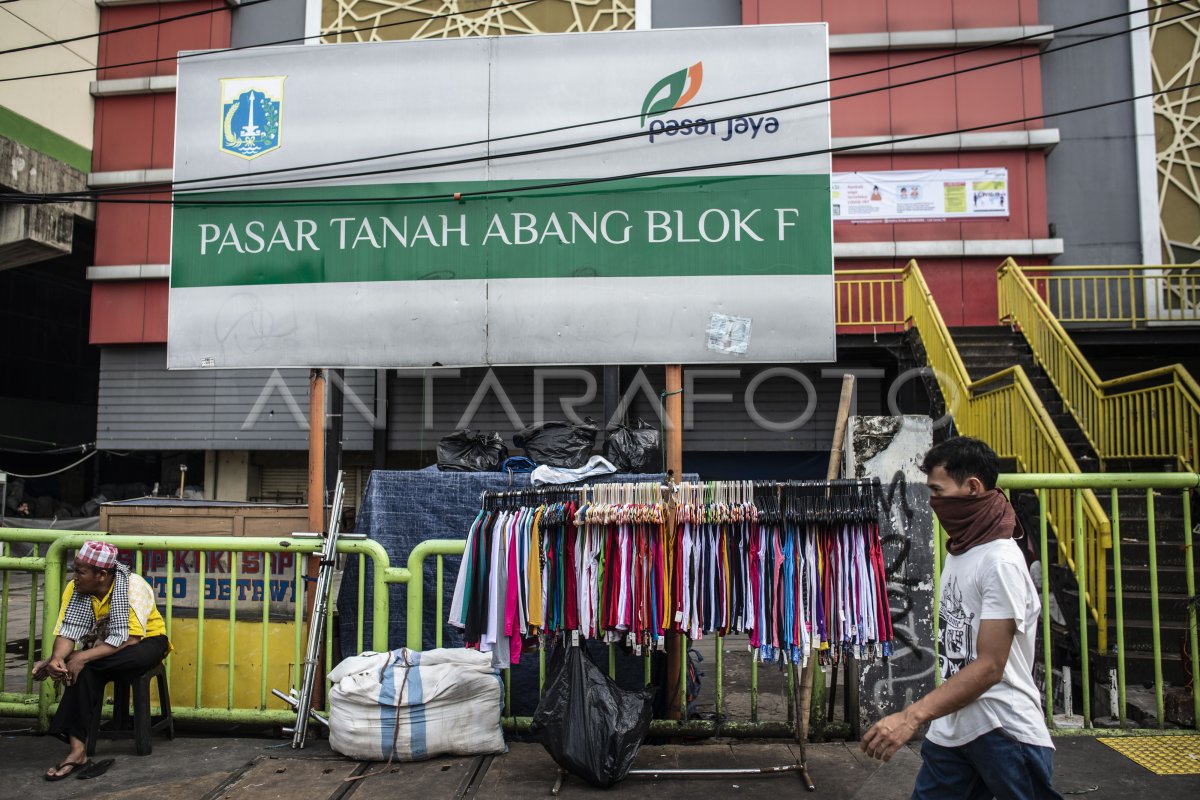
652, 196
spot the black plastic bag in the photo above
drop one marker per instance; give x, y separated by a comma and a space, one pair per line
466, 451
633, 448
590, 726
558, 444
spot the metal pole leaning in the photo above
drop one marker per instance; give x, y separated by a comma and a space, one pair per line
316, 626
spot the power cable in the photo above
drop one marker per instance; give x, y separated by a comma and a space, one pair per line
140, 189
54, 451
293, 40
92, 454
140, 25
458, 196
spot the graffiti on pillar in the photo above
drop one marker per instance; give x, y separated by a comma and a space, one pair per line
906, 533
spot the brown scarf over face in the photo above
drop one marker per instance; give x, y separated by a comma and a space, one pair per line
972, 521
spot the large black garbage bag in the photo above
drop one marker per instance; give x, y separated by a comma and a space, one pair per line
557, 443
466, 451
590, 726
633, 448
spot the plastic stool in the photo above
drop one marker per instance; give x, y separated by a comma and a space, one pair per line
143, 724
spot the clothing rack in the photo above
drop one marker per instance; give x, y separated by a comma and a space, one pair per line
796, 565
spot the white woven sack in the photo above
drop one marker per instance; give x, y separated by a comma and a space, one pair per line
417, 704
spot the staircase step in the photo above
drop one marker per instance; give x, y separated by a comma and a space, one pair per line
1170, 553
1139, 667
1170, 577
1172, 605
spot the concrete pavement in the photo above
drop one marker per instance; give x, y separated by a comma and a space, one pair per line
199, 767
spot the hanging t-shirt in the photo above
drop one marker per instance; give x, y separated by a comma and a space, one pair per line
990, 581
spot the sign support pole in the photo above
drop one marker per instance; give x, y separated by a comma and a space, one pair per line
317, 382
676, 642
831, 473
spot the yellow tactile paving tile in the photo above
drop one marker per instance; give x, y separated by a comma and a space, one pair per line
1162, 755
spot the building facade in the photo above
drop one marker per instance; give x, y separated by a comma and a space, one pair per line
48, 382
976, 101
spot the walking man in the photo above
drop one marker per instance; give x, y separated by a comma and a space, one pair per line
987, 737
110, 613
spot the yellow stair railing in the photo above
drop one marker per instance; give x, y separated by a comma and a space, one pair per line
1136, 296
1005, 411
1152, 414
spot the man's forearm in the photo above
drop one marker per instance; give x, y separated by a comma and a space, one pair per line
963, 688
63, 647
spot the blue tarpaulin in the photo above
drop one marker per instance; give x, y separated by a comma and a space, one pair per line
401, 509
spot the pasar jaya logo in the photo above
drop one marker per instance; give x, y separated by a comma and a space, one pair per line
677, 90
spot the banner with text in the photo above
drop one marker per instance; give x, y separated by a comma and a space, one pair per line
920, 195
565, 199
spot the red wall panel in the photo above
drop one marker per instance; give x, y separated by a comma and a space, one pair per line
927, 104
194, 33
865, 115
162, 150
158, 249
920, 15
945, 280
980, 304
991, 95
122, 233
994, 13
124, 133
863, 16
128, 46
118, 312
769, 12
860, 16
155, 327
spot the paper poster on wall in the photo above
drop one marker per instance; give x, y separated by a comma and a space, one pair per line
920, 195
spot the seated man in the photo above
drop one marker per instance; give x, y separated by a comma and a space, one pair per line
110, 614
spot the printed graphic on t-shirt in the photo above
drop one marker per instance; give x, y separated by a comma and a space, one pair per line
954, 631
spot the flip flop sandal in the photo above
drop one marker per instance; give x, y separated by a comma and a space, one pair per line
75, 766
95, 769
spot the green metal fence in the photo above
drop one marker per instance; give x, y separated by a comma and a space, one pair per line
51, 550
48, 565
1154, 490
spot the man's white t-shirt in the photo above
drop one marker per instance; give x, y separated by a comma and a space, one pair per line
990, 581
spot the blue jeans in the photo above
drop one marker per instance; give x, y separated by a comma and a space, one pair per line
994, 765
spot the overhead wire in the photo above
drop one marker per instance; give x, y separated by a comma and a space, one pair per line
208, 181
292, 40
127, 28
459, 196
92, 454
141, 189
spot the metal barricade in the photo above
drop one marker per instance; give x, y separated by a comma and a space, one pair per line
188, 703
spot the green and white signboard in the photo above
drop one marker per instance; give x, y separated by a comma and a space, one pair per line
632, 197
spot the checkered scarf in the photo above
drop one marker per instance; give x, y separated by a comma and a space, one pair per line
80, 623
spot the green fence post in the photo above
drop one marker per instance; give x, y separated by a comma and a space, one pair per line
6, 549
233, 572
1118, 588
52, 596
266, 623
1190, 563
937, 597
1044, 554
1081, 584
1150, 535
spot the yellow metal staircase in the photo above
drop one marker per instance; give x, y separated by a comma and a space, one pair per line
1002, 409
1150, 415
